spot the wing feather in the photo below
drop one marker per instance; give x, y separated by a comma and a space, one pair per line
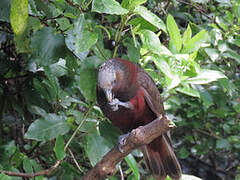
151, 92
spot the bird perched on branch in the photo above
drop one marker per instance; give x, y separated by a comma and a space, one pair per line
129, 97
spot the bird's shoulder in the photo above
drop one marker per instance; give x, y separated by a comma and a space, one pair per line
151, 92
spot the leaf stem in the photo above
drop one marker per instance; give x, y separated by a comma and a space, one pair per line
119, 32
101, 52
75, 161
75, 132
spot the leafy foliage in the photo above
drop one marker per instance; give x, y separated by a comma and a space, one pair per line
49, 59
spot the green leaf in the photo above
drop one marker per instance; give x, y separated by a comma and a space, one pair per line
108, 7
233, 55
212, 53
109, 132
162, 65
150, 17
37, 110
41, 89
22, 42
96, 147
196, 42
19, 16
206, 97
48, 45
187, 35
80, 39
174, 33
5, 10
74, 35
87, 81
205, 76
152, 42
59, 148
131, 4
59, 68
4, 177
27, 166
10, 148
133, 165
141, 24
47, 127
86, 40
188, 91
236, 41
222, 144
183, 153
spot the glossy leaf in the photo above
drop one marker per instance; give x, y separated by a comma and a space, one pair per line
4, 177
59, 148
47, 45
196, 42
206, 76
27, 166
163, 66
19, 16
152, 42
131, 4
187, 35
150, 17
59, 68
233, 55
108, 7
47, 128
96, 147
212, 53
87, 81
188, 91
132, 163
176, 40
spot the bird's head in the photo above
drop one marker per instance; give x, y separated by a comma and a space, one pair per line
109, 77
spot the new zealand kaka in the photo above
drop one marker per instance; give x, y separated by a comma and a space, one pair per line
129, 97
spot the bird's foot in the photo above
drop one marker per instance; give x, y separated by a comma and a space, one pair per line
115, 103
122, 140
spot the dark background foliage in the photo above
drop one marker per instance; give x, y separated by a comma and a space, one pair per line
50, 51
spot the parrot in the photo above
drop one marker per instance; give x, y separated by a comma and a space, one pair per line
129, 98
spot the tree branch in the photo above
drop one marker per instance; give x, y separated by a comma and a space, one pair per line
138, 137
40, 173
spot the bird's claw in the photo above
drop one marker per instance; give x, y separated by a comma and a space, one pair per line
115, 103
121, 141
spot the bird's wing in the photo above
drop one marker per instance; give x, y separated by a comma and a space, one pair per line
151, 92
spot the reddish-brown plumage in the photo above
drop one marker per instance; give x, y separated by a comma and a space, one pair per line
129, 98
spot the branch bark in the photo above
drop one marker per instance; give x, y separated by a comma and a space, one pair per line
32, 175
137, 138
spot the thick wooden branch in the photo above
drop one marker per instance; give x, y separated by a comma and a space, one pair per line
138, 137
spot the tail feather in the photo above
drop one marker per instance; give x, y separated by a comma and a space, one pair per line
161, 160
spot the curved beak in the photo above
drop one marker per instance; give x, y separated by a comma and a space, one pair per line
109, 94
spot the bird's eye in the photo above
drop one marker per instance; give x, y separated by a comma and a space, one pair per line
114, 81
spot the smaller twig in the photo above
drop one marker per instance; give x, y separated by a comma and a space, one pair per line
119, 32
32, 175
121, 172
206, 133
75, 161
75, 132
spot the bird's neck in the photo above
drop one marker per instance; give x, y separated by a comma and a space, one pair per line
128, 86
